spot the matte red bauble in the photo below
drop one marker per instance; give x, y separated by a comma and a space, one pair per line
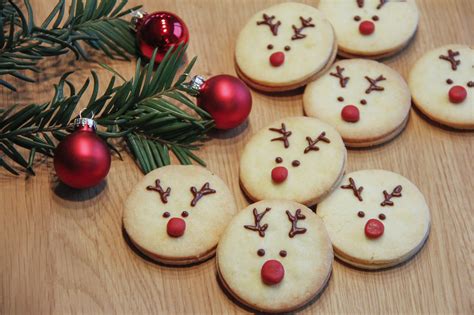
226, 98
82, 159
162, 30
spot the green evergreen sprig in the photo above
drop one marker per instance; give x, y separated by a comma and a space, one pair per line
152, 111
95, 23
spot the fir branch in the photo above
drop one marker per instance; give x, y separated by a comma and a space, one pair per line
150, 111
97, 24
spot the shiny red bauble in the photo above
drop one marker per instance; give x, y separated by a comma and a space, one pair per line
272, 272
162, 30
82, 159
366, 28
374, 228
227, 99
457, 94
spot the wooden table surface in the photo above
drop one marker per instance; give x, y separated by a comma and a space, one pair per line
63, 251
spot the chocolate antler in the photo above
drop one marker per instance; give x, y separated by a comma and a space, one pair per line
360, 3
342, 79
205, 190
352, 185
163, 193
294, 221
285, 134
312, 143
373, 84
257, 218
268, 20
397, 192
382, 3
305, 23
451, 57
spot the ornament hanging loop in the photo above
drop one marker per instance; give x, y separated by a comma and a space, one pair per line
195, 84
137, 15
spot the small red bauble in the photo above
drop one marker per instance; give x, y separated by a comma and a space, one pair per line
226, 98
82, 159
272, 272
350, 113
366, 28
279, 174
374, 228
457, 94
277, 59
176, 227
162, 30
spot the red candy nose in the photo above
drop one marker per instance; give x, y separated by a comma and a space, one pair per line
272, 272
350, 113
374, 228
277, 59
457, 94
366, 28
176, 227
279, 174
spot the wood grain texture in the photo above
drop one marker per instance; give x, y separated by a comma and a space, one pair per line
63, 251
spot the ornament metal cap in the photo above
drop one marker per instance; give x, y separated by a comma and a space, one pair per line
137, 15
196, 83
83, 122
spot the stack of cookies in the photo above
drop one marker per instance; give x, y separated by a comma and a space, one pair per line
276, 255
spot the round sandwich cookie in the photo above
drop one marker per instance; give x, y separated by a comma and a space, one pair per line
295, 158
176, 214
284, 47
366, 101
275, 256
442, 85
376, 219
371, 28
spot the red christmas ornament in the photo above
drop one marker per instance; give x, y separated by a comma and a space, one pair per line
225, 97
374, 228
82, 159
272, 272
162, 30
366, 27
457, 94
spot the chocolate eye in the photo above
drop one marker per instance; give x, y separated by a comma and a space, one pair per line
270, 47
261, 252
375, 18
184, 214
166, 214
470, 84
340, 99
363, 102
283, 253
357, 18
361, 214
449, 81
295, 163
278, 160
287, 48
382, 216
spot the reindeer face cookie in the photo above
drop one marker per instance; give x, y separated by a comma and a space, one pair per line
296, 158
442, 85
371, 28
275, 256
284, 47
366, 101
176, 214
376, 219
